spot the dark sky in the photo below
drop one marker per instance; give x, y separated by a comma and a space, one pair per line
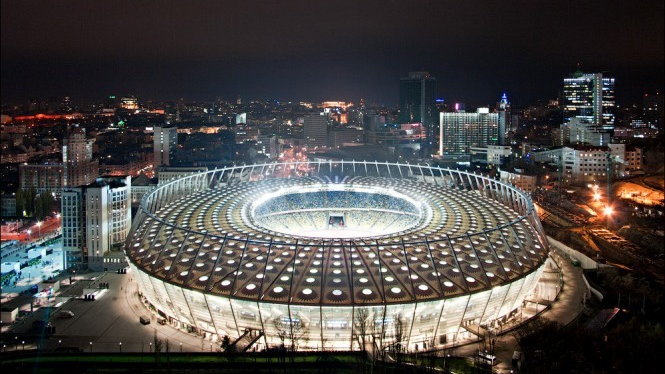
315, 50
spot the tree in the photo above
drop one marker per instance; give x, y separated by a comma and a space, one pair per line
227, 344
158, 348
43, 205
25, 202
399, 334
295, 329
360, 324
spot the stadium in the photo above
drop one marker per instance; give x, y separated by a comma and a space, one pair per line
337, 255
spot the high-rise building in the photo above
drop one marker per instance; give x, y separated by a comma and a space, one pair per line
165, 140
503, 109
460, 131
417, 102
95, 218
590, 97
78, 166
316, 130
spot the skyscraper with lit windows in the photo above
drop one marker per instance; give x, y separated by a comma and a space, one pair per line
591, 98
417, 101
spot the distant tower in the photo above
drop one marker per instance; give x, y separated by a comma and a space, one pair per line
590, 97
79, 167
504, 118
316, 130
417, 95
165, 140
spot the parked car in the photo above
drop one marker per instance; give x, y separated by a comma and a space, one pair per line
144, 320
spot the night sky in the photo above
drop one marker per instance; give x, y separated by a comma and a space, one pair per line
314, 50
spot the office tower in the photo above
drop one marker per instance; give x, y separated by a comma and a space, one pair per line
590, 97
316, 130
78, 166
504, 118
95, 218
460, 131
165, 140
652, 110
417, 102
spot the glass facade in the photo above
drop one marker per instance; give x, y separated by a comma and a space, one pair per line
425, 325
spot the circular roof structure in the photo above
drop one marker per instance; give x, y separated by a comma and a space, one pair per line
344, 233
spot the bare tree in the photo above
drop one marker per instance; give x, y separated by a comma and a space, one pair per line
399, 333
158, 348
158, 343
378, 330
360, 324
282, 330
299, 332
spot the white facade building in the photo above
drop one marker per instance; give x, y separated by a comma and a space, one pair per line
96, 217
581, 132
583, 164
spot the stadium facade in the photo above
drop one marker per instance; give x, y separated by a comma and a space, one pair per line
337, 255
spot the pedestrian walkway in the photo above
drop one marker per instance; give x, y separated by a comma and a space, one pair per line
566, 307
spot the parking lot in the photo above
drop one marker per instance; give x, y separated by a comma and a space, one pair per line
110, 323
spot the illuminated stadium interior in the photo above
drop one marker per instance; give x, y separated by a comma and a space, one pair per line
336, 210
314, 250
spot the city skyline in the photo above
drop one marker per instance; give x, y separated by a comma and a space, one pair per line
301, 186
276, 51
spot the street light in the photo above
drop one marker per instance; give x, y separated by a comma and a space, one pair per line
29, 234
608, 211
39, 227
120, 346
90, 346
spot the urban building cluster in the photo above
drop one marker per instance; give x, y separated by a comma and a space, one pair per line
97, 161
